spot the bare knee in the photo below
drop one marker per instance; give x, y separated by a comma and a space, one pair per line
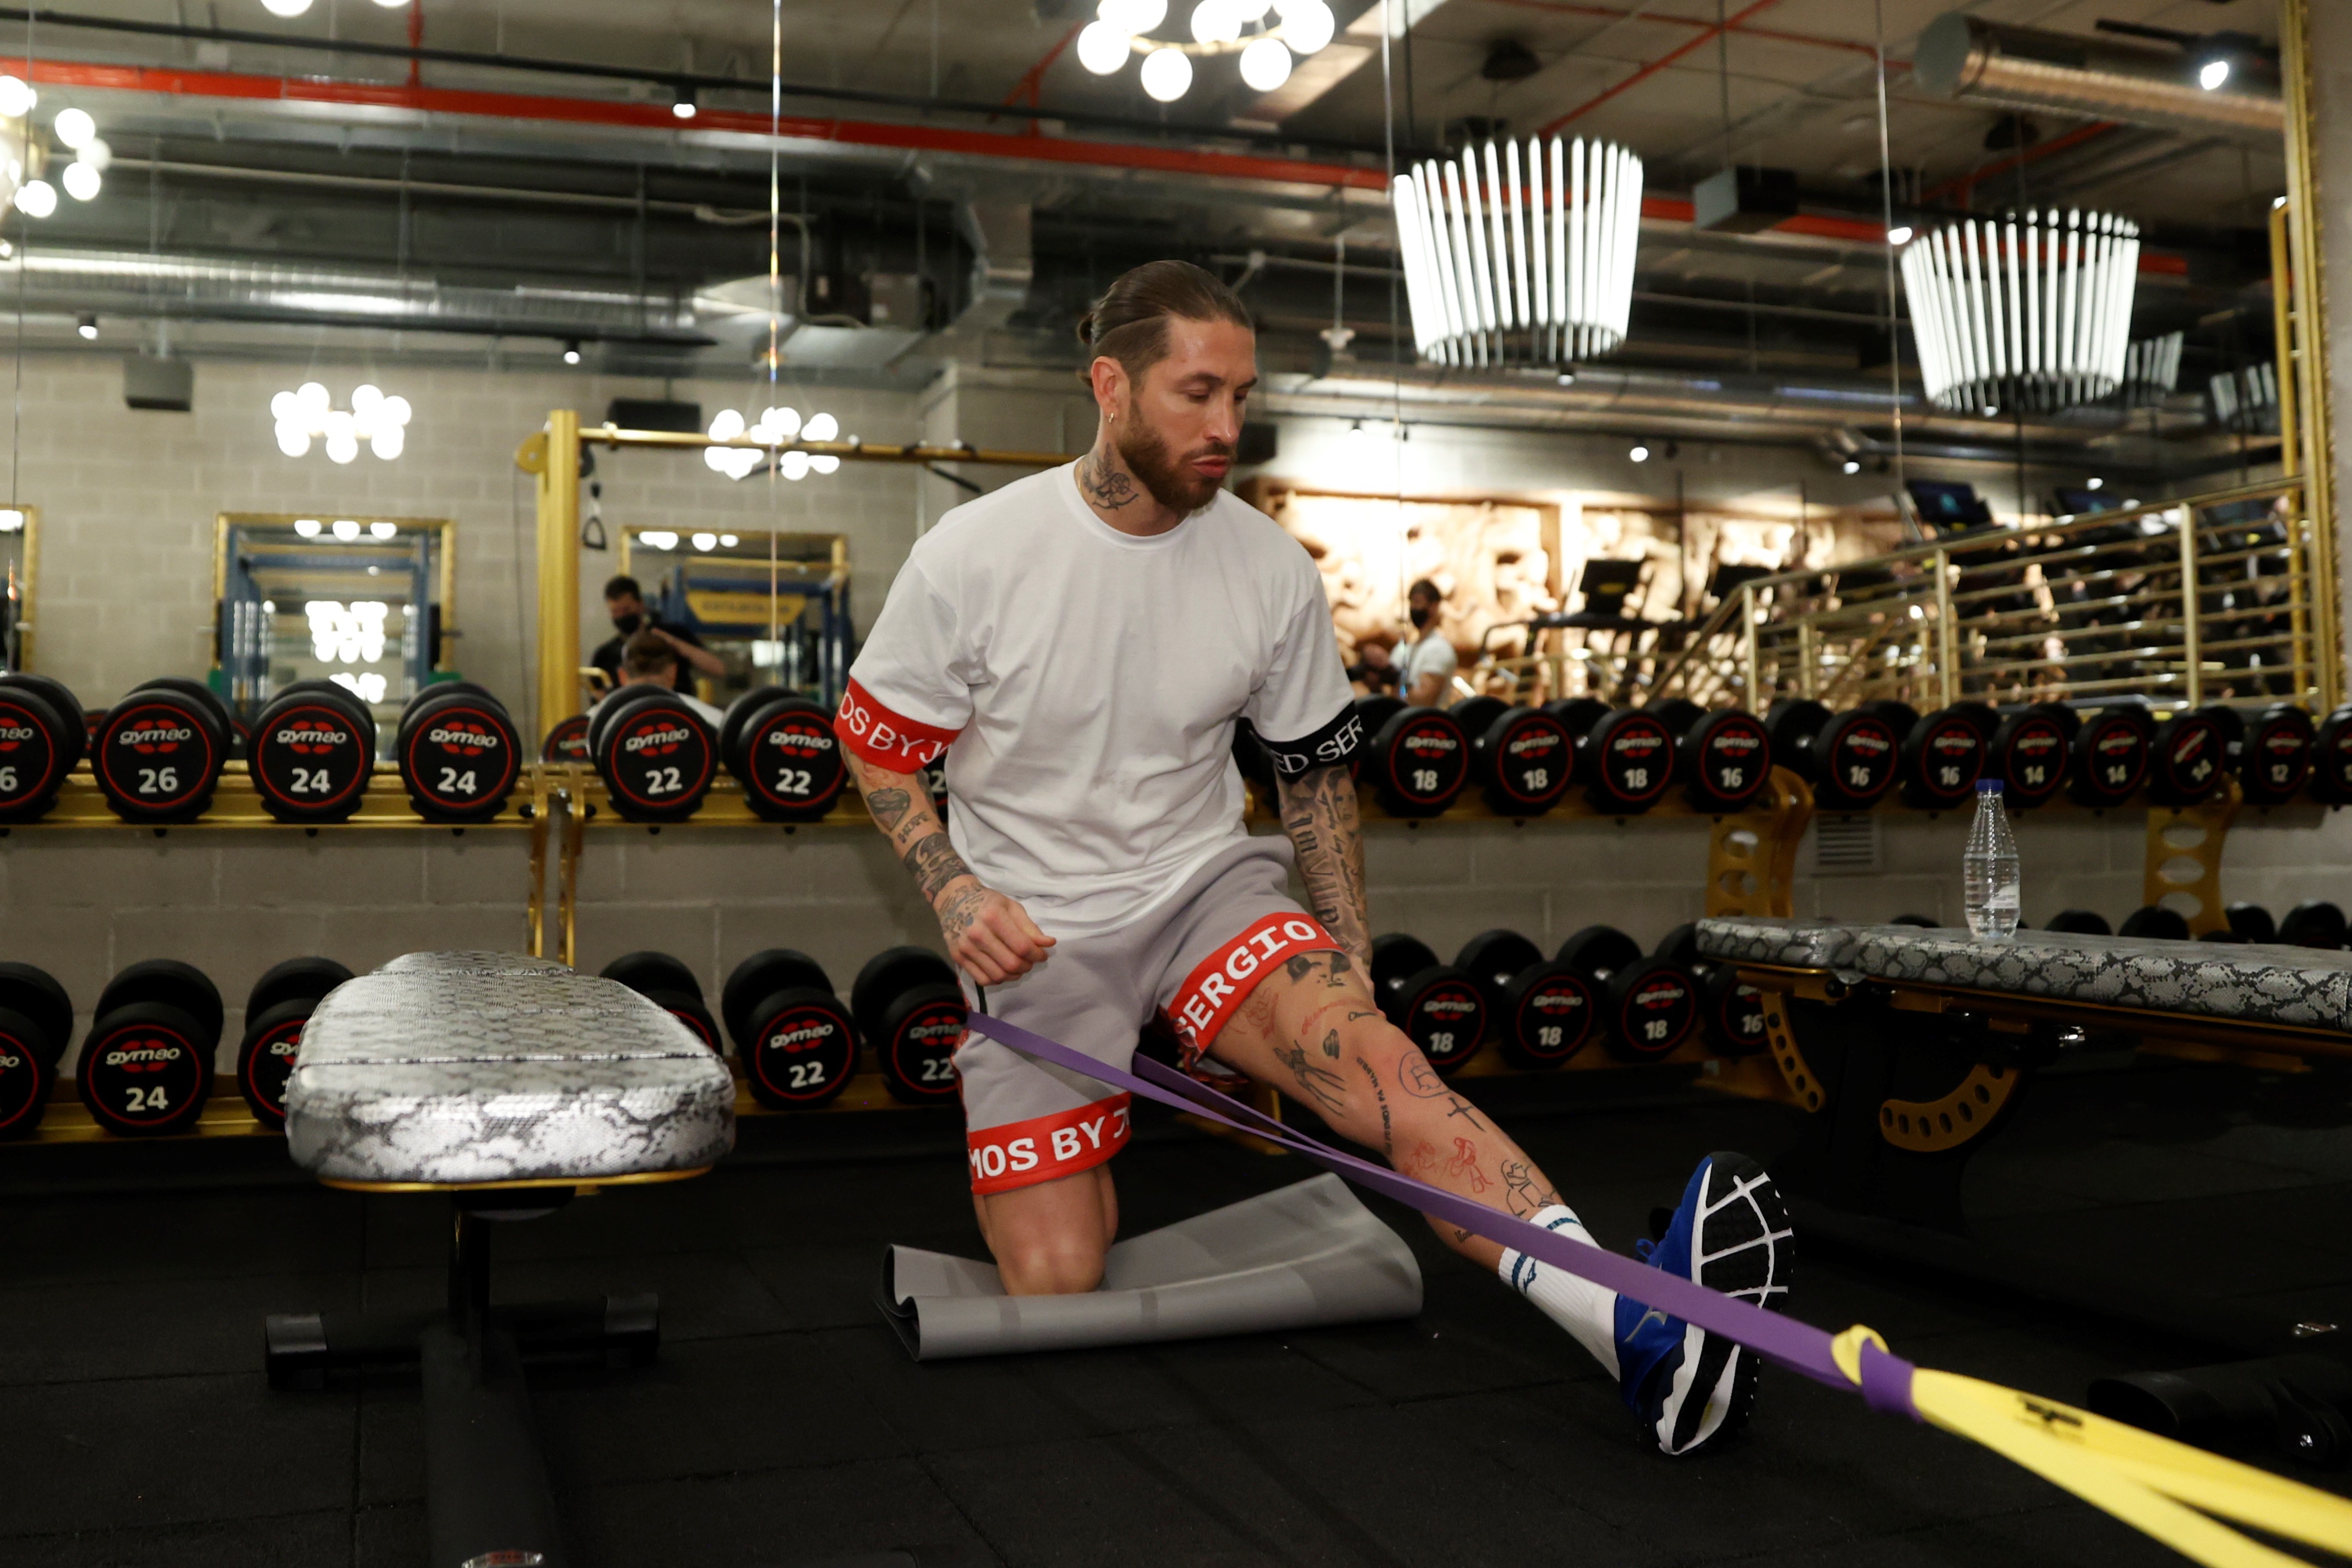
1067, 1261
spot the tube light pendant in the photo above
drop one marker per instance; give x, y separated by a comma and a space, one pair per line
1520, 253
2028, 311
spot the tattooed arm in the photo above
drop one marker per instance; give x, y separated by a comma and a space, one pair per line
1318, 812
989, 936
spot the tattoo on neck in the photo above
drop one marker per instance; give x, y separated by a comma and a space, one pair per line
1105, 485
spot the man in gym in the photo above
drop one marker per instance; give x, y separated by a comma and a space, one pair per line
1079, 645
1425, 673
624, 601
649, 659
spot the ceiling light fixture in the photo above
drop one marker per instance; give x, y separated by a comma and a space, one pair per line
658, 539
2094, 483
1268, 35
571, 351
1640, 454
1103, 47
36, 198
685, 107
1511, 259
1853, 466
1899, 235
80, 180
2032, 308
87, 327
307, 527
728, 541
384, 530
347, 529
1167, 74
705, 541
286, 7
73, 128
16, 99
777, 428
308, 414
2213, 74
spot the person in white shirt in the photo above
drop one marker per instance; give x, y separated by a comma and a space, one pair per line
1079, 645
1425, 672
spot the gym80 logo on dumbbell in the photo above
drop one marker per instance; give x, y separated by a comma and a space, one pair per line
1430, 759
801, 1053
145, 1075
796, 759
1658, 1014
1864, 754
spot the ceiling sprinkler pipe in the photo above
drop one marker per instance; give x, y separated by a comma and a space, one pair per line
2097, 78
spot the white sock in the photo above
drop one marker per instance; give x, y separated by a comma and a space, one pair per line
1588, 1311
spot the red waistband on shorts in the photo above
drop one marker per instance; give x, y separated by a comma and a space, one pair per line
1023, 1153
1225, 979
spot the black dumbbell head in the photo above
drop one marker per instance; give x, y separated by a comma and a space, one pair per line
2189, 758
28, 1073
2314, 922
2331, 758
1650, 1008
147, 1067
2029, 754
265, 1058
1901, 715
1599, 951
1626, 762
1856, 757
774, 969
310, 756
34, 995
1476, 714
198, 692
1677, 713
2275, 761
2251, 921
915, 1038
566, 742
657, 758
885, 975
1397, 955
158, 755
646, 973
1724, 760
1680, 946
2155, 921
1419, 761
2080, 922
459, 753
1524, 762
434, 688
38, 746
1442, 1012
304, 980
2110, 755
76, 738
169, 981
1546, 1014
798, 1049
787, 759
1731, 1012
686, 1007
1492, 957
1579, 715
1943, 756
1375, 710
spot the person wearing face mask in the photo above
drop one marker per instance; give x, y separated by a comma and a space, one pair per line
1426, 665
624, 601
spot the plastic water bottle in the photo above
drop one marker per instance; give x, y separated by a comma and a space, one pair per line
1990, 871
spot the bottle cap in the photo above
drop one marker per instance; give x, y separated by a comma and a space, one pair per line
1990, 786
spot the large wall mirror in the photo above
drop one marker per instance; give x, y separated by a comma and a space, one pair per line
365, 602
20, 535
773, 605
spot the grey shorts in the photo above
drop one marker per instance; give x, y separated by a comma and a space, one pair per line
1195, 956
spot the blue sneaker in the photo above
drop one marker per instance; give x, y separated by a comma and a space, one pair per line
1692, 1390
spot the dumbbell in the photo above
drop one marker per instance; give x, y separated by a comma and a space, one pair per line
909, 1008
669, 985
1624, 757
41, 738
2275, 760
1648, 1005
1849, 758
1542, 1011
1943, 754
1418, 761
2028, 753
797, 1043
2080, 922
2314, 922
147, 1066
280, 1003
1438, 1007
2155, 921
1723, 756
159, 752
312, 749
36, 1026
657, 755
2331, 758
2108, 759
459, 753
566, 742
1522, 759
1730, 1013
780, 747
2252, 923
2191, 754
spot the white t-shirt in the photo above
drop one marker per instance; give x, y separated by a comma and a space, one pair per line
1432, 655
1084, 684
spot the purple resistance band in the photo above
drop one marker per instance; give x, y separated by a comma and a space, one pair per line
1778, 1339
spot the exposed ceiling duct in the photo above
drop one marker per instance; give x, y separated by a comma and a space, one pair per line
2100, 77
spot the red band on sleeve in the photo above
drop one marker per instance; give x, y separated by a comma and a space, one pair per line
1225, 979
884, 739
1023, 1153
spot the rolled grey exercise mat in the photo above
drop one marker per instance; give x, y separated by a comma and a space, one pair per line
1302, 1256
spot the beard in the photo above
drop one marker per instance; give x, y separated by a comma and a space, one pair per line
1173, 483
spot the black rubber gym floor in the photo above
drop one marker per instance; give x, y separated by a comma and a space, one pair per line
786, 1427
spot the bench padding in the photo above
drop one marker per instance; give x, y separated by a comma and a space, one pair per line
463, 1068
2296, 987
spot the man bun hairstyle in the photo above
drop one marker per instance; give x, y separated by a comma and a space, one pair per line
1130, 322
